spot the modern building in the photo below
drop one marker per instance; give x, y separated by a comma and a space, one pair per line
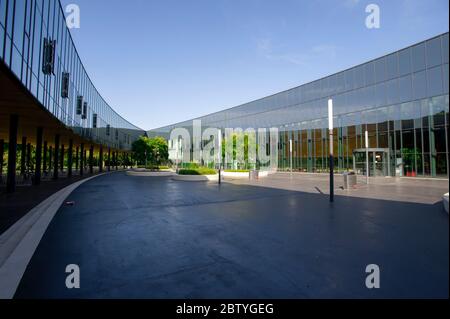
401, 99
47, 100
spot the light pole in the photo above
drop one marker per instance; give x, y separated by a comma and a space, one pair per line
330, 129
367, 156
290, 155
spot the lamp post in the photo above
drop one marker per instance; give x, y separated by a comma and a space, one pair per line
330, 129
290, 155
367, 156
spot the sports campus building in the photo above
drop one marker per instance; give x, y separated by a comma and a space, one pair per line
401, 99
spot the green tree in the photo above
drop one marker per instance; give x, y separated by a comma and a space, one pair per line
410, 158
141, 149
159, 151
249, 141
153, 151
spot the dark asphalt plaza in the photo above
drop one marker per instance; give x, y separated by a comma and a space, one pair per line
152, 237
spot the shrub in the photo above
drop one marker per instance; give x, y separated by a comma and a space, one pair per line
190, 165
197, 171
237, 170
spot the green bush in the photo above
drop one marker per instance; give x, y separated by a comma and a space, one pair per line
163, 167
197, 171
237, 170
190, 165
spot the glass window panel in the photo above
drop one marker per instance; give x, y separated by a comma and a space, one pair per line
434, 52
444, 44
380, 70
382, 115
2, 35
340, 82
435, 83
416, 111
394, 113
369, 70
392, 91
445, 76
349, 80
418, 57
404, 62
439, 134
420, 85
409, 112
437, 109
408, 138
405, 88
2, 13
369, 96
9, 25
332, 84
380, 94
359, 76
441, 164
391, 66
16, 62
425, 112
317, 90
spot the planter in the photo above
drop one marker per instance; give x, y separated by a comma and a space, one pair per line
196, 178
243, 175
147, 172
235, 174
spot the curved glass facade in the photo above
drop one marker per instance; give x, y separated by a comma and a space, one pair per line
401, 99
36, 45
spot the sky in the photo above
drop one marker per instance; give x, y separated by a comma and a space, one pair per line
162, 62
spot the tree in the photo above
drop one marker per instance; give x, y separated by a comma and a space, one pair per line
154, 151
140, 149
159, 150
241, 141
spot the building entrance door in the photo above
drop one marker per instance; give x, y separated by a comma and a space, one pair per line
379, 161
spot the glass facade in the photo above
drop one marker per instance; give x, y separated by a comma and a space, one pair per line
36, 45
401, 99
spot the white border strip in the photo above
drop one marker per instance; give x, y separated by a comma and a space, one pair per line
196, 178
19, 242
445, 202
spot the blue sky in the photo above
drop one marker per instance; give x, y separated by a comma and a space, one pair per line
161, 62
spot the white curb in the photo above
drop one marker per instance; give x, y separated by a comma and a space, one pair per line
445, 201
196, 178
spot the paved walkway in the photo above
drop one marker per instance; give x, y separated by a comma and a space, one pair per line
152, 237
415, 190
14, 206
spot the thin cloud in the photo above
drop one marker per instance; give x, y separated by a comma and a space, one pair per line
265, 48
323, 51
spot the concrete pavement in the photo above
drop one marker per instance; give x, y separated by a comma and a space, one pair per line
152, 237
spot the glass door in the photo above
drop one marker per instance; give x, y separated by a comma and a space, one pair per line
378, 161
380, 164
